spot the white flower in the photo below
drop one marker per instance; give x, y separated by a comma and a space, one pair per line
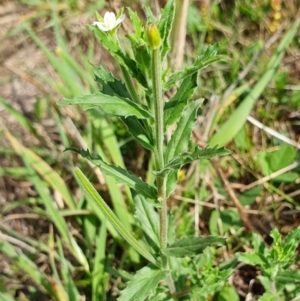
109, 21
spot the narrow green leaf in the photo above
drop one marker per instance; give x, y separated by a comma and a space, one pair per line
191, 246
136, 22
79, 254
165, 26
98, 279
116, 193
93, 195
101, 217
148, 219
149, 15
137, 130
185, 158
68, 282
173, 109
143, 284
209, 56
181, 136
121, 176
237, 119
109, 104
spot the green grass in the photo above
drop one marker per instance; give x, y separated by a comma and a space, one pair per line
70, 251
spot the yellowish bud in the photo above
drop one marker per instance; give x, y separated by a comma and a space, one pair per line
153, 36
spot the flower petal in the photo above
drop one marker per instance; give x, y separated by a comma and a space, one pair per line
101, 26
120, 20
110, 20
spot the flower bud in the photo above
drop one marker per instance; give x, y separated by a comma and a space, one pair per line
153, 36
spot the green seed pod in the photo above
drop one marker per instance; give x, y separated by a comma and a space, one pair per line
153, 36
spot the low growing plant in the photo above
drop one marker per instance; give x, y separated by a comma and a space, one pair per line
280, 276
142, 105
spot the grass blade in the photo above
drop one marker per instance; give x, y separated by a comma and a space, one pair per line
232, 126
36, 165
44, 170
24, 263
99, 278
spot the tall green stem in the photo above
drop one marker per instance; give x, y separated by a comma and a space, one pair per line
158, 109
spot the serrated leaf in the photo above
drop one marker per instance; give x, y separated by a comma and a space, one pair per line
111, 44
209, 56
173, 109
122, 176
103, 75
109, 104
110, 85
143, 284
92, 193
165, 26
137, 130
185, 158
293, 236
192, 246
181, 136
174, 165
136, 22
148, 219
149, 15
